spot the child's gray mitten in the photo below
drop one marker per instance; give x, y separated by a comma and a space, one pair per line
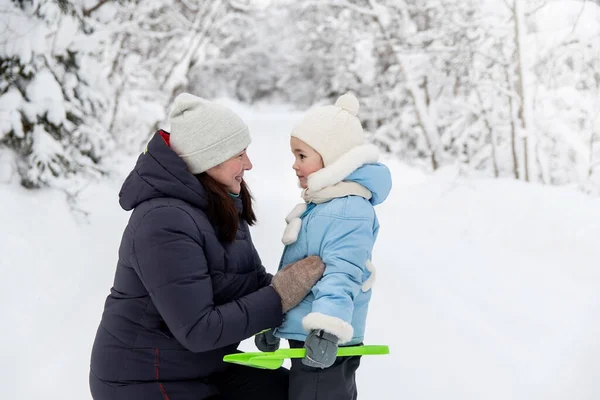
266, 341
321, 349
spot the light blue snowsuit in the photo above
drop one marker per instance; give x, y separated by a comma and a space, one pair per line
342, 232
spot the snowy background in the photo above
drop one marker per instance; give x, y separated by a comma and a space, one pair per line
488, 115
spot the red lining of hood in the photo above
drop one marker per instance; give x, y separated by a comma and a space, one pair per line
165, 135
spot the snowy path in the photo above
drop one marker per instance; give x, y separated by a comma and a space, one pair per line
485, 290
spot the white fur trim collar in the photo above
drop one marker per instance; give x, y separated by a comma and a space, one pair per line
344, 166
335, 326
341, 189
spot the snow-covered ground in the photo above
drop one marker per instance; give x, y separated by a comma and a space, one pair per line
487, 289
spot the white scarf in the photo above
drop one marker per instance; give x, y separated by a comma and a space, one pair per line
340, 189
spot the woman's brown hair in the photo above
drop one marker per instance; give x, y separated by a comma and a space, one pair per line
222, 212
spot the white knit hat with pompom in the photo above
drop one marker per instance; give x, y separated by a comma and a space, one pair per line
332, 130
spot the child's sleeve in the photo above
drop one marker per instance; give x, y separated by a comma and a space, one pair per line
345, 249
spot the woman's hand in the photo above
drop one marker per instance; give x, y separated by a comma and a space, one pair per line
293, 282
266, 341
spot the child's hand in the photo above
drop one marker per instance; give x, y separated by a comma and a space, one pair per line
321, 349
266, 341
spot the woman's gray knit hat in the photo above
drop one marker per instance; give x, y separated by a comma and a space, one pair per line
205, 134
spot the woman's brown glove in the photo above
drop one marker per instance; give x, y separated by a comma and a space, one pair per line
293, 282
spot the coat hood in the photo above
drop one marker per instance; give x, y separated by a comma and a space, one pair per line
159, 172
376, 178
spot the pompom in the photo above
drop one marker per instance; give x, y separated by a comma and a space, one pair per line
348, 102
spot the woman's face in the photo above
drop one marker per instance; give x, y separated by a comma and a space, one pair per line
307, 160
231, 172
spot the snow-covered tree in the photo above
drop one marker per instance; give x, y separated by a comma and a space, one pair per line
567, 97
464, 81
51, 111
498, 87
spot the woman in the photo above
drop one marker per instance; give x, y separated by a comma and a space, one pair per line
189, 285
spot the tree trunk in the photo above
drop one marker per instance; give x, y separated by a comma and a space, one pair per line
488, 125
202, 25
593, 165
432, 136
115, 110
425, 117
513, 128
523, 111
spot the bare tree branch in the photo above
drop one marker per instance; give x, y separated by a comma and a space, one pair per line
578, 16
89, 11
538, 8
340, 3
187, 4
239, 6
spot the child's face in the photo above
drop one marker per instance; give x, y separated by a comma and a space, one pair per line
307, 160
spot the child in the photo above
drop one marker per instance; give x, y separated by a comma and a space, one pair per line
341, 182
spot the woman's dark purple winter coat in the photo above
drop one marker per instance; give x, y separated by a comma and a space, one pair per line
181, 299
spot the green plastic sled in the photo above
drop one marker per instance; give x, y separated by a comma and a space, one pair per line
274, 360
